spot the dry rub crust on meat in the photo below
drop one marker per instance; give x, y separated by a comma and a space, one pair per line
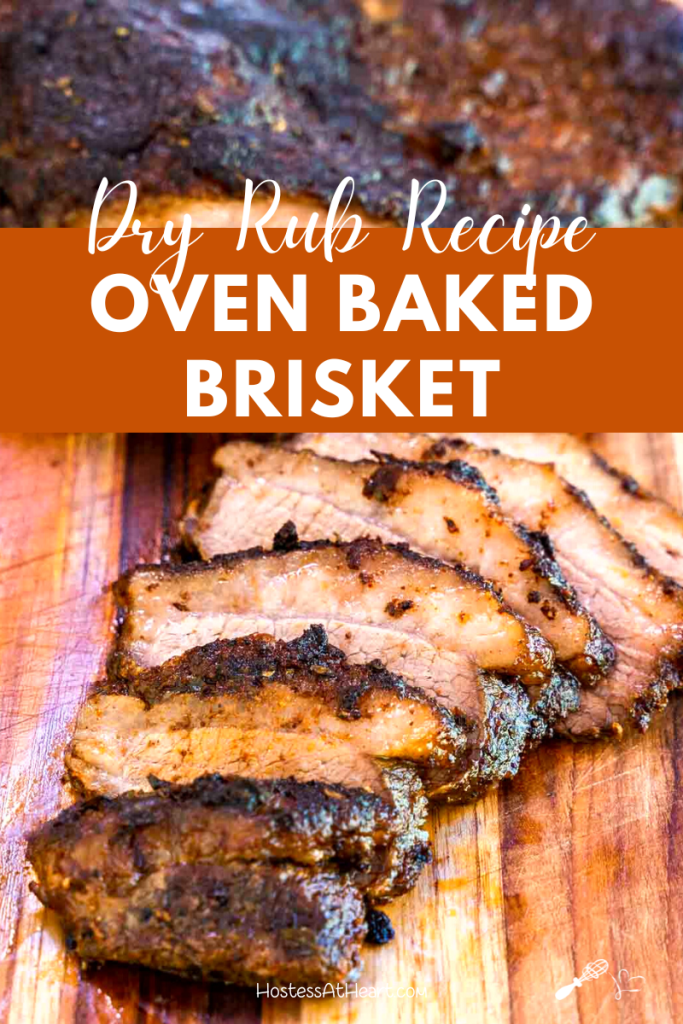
652, 524
453, 635
228, 879
446, 511
640, 610
457, 642
259, 707
573, 107
220, 819
350, 586
117, 748
262, 709
257, 684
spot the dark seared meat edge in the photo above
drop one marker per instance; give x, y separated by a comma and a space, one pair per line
238, 923
308, 666
228, 879
184, 100
349, 830
599, 653
513, 715
668, 675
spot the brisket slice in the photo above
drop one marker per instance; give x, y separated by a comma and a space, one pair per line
435, 623
272, 715
653, 525
228, 880
254, 706
639, 609
439, 627
246, 705
220, 819
445, 511
573, 107
262, 709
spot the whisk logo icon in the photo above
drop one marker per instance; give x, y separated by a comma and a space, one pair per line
590, 973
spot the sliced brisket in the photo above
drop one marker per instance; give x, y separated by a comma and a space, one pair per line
234, 705
639, 609
445, 511
227, 879
438, 626
654, 526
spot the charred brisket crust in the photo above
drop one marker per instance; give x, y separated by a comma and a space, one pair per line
378, 845
385, 479
495, 744
553, 704
508, 724
656, 697
344, 823
638, 713
286, 538
669, 587
382, 484
627, 483
380, 928
630, 485
307, 807
544, 565
120, 663
184, 98
309, 664
237, 923
599, 654
598, 657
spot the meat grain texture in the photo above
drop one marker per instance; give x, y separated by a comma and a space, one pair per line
445, 511
654, 526
265, 871
259, 707
438, 626
639, 608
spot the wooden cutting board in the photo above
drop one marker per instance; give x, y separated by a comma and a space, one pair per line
579, 858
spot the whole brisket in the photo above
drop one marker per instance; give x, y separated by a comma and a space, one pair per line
571, 106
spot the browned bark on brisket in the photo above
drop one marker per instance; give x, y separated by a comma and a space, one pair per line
570, 105
227, 879
444, 511
639, 609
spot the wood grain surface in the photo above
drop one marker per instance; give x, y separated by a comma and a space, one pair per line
579, 858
